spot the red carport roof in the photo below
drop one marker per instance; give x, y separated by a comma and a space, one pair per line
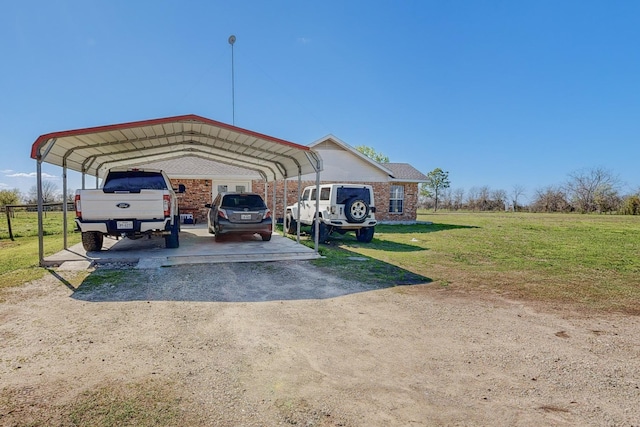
94, 150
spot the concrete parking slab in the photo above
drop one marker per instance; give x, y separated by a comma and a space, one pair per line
197, 246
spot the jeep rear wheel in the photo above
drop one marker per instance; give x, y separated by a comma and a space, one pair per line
365, 235
290, 224
356, 210
323, 232
92, 241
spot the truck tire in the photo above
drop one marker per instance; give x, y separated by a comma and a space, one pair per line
365, 235
290, 224
92, 241
323, 232
356, 210
172, 241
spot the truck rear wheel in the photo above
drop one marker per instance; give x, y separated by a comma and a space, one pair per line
92, 241
172, 241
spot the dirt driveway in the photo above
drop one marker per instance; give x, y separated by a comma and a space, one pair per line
286, 344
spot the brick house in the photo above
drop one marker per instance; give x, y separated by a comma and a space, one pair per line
396, 185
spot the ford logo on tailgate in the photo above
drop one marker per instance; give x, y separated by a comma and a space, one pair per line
123, 205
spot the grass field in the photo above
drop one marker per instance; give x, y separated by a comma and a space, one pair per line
587, 262
583, 262
19, 258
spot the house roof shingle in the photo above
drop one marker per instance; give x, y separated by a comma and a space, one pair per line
405, 172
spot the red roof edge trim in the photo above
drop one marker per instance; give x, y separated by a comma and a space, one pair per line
42, 139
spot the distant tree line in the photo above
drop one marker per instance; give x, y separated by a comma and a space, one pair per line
595, 190
586, 191
50, 194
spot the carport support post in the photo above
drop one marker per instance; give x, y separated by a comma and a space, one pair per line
64, 205
298, 202
273, 198
40, 226
284, 208
266, 190
317, 222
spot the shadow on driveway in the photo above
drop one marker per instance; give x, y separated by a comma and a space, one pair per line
231, 282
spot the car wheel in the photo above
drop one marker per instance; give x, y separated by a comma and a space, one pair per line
356, 210
290, 224
92, 241
216, 231
365, 235
266, 236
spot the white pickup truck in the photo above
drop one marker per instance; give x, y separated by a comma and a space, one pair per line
131, 203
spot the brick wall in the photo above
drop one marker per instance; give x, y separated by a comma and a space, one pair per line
198, 192
381, 193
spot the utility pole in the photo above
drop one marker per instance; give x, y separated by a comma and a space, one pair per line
232, 40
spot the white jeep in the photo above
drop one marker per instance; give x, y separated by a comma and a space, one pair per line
342, 208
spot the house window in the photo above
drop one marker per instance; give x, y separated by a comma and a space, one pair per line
240, 188
396, 200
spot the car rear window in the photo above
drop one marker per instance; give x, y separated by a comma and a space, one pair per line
344, 194
133, 181
241, 201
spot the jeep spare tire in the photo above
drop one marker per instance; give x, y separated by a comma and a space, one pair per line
356, 210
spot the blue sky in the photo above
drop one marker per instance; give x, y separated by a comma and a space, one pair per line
497, 93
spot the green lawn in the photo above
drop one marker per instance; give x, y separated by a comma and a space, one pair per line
583, 261
19, 258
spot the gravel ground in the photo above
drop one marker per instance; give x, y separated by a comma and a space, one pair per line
264, 344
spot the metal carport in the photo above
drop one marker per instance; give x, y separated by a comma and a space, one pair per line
92, 151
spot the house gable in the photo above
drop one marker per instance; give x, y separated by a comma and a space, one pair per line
341, 162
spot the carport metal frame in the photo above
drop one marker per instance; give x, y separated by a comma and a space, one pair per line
92, 151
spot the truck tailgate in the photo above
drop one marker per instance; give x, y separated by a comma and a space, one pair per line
97, 205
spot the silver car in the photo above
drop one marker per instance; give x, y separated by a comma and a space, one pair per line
239, 213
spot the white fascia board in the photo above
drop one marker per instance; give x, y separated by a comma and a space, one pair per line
419, 181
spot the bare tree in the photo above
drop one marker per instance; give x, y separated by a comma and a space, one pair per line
585, 185
472, 197
484, 195
517, 191
447, 199
50, 193
458, 198
607, 200
550, 199
498, 200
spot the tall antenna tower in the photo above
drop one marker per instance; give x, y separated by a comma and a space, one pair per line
232, 40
